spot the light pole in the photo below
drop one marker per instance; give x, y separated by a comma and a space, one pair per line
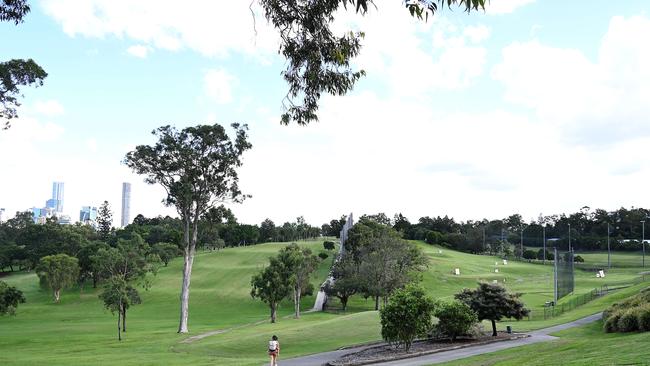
609, 252
570, 237
643, 240
483, 237
521, 242
544, 240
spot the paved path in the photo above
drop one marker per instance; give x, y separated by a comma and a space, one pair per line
537, 336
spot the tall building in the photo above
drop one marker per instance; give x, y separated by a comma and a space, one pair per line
2, 212
126, 204
56, 203
88, 215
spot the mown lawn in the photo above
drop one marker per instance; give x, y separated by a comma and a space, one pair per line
78, 331
587, 345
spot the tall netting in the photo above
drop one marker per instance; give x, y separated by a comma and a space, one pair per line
321, 297
564, 281
344, 232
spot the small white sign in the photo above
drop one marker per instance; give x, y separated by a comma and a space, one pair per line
505, 262
457, 271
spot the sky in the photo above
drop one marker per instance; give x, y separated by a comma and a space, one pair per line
531, 107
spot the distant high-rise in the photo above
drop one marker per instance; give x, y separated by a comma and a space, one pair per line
88, 215
56, 203
126, 204
2, 212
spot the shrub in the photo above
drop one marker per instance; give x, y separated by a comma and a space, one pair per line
643, 318
454, 319
407, 315
329, 245
529, 254
323, 255
578, 259
611, 324
629, 321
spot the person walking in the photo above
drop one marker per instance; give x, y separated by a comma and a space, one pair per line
274, 350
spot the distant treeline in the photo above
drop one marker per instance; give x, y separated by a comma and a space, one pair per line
588, 230
23, 243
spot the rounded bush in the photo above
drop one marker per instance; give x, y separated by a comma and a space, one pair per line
611, 324
629, 321
323, 255
643, 318
454, 319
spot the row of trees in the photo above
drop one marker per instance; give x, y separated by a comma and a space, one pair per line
587, 228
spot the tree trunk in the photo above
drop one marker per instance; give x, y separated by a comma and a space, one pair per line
119, 333
273, 312
494, 328
123, 319
344, 302
296, 299
376, 302
57, 295
94, 280
190, 246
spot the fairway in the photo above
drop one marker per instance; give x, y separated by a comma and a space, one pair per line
78, 331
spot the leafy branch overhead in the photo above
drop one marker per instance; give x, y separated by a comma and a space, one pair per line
16, 73
318, 61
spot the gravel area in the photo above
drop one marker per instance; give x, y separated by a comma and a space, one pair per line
385, 352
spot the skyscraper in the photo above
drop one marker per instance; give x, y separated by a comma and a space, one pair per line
2, 212
126, 204
56, 203
88, 215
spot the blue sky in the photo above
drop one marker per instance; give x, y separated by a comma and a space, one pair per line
533, 107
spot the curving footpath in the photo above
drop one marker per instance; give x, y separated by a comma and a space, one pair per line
541, 335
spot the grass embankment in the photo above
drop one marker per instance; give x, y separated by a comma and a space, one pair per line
587, 345
79, 332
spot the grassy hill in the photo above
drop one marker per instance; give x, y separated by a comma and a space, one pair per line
79, 331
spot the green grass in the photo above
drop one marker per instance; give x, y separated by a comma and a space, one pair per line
78, 331
587, 345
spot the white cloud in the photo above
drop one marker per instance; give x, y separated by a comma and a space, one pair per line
212, 28
139, 51
477, 33
595, 102
498, 7
415, 57
218, 85
91, 144
49, 108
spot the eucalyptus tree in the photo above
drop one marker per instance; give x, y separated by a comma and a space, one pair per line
58, 272
17, 72
197, 167
318, 60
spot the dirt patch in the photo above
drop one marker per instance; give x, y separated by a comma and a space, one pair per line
386, 352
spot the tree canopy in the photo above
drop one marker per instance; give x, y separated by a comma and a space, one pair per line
17, 72
197, 167
492, 302
318, 60
58, 272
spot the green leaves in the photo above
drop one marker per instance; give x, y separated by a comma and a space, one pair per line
13, 74
13, 10
408, 315
318, 61
10, 297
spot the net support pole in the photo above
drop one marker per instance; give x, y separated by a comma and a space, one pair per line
555, 275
